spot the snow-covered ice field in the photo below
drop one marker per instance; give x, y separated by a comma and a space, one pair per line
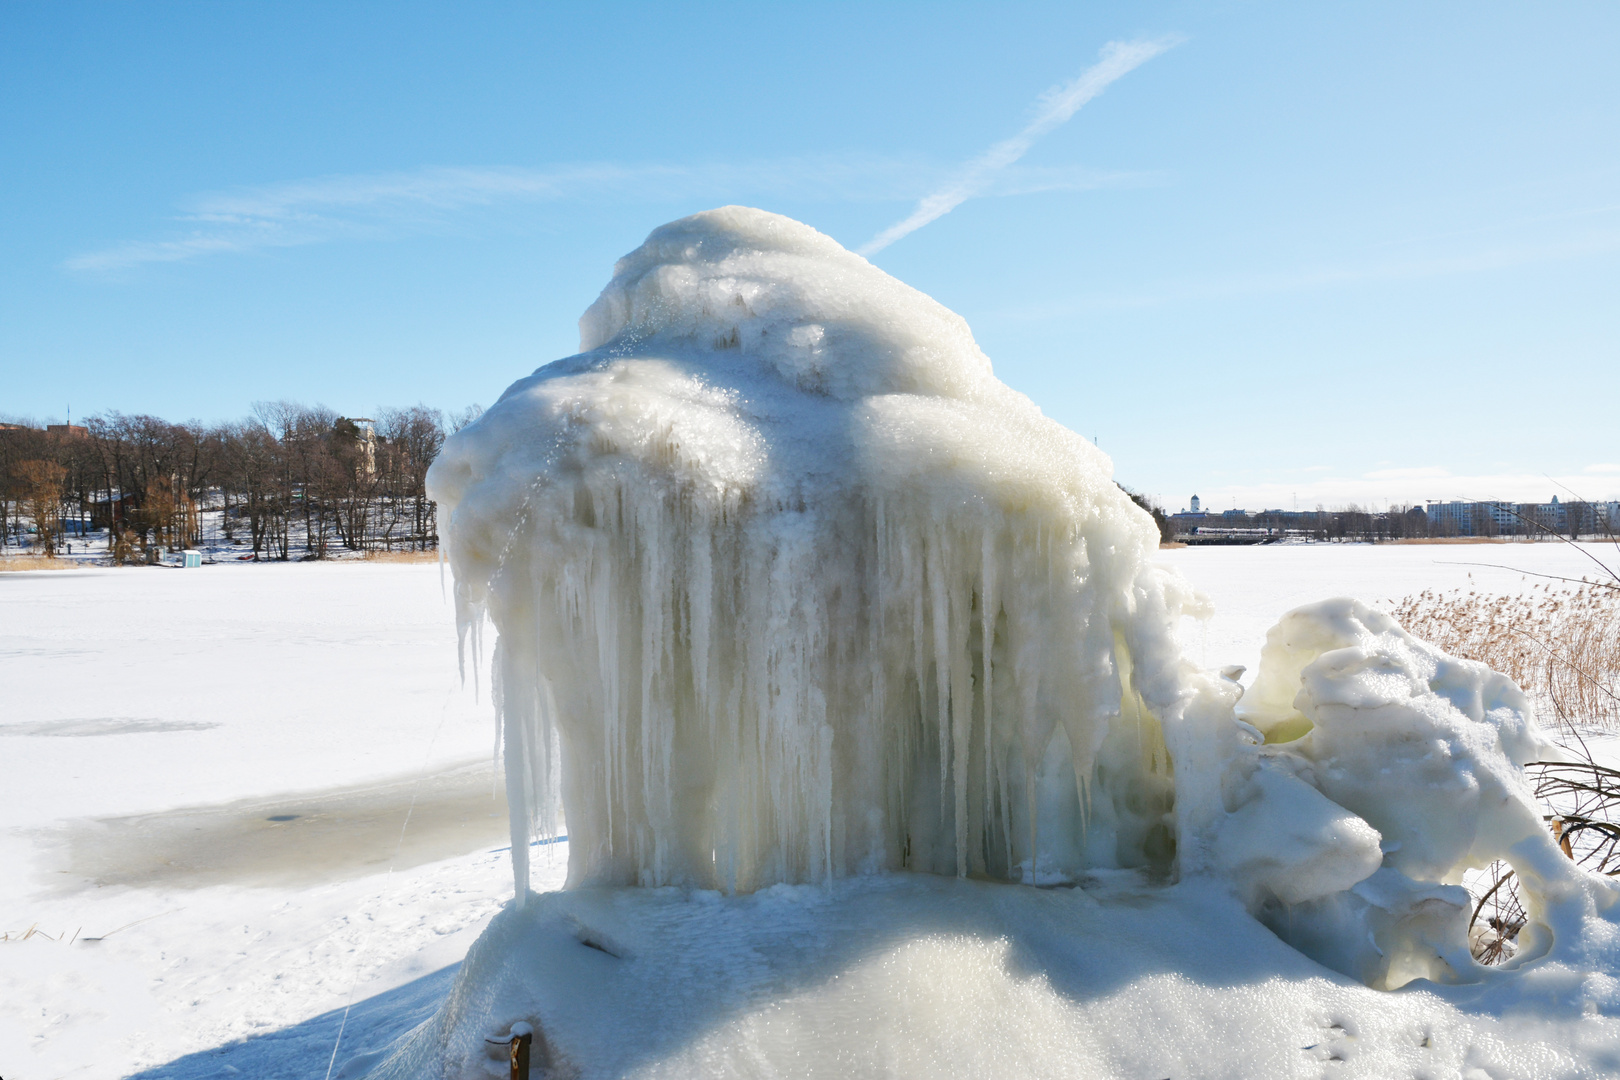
211, 770
1252, 586
236, 800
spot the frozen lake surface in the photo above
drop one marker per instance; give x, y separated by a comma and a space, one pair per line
238, 799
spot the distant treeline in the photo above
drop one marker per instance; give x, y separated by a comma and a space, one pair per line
288, 481
1573, 519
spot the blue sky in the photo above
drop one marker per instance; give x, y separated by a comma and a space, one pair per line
1282, 253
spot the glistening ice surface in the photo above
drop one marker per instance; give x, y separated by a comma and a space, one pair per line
790, 589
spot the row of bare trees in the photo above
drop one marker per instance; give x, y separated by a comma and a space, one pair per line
289, 481
1352, 522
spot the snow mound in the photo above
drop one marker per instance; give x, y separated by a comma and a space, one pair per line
792, 593
918, 975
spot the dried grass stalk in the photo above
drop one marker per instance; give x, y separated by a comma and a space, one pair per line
36, 562
1560, 643
402, 556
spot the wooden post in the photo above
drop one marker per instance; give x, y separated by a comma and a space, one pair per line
520, 1055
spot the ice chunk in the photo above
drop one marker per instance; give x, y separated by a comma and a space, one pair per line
1384, 931
1287, 841
1429, 750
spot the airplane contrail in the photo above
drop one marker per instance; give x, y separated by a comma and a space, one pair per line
1055, 107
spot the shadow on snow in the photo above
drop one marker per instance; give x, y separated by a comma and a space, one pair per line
301, 1052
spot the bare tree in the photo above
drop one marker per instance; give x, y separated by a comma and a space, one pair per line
40, 490
289, 468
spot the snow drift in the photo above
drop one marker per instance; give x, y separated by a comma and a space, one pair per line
789, 589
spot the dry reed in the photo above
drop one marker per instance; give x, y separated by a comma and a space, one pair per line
36, 562
402, 556
1560, 643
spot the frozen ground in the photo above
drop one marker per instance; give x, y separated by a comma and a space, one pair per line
210, 771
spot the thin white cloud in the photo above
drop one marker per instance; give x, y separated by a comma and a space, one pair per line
156, 251
1054, 109
392, 204
376, 206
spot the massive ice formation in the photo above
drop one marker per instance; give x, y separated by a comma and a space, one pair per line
789, 587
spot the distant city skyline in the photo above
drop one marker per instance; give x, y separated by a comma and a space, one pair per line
1595, 484
1268, 253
